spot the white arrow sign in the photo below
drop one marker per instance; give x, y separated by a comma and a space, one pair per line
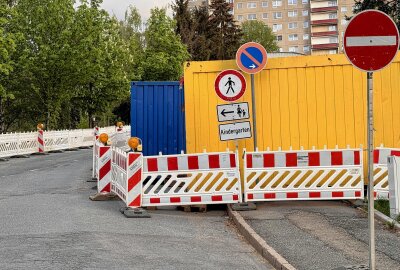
234, 131
233, 111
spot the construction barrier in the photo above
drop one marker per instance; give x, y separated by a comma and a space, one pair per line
381, 182
303, 175
13, 144
102, 167
207, 178
127, 176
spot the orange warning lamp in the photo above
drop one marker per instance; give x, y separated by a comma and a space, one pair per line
40, 126
133, 142
103, 138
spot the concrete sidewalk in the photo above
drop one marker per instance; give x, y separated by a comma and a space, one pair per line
322, 235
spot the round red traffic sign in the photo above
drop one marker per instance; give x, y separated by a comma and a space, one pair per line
371, 40
230, 85
251, 57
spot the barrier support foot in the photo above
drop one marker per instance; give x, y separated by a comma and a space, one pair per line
93, 179
84, 147
134, 212
71, 149
56, 151
20, 156
103, 197
244, 206
39, 154
4, 159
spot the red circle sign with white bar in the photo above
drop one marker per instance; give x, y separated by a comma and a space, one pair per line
230, 85
371, 40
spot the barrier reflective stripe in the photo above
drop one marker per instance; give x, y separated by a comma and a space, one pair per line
303, 175
40, 141
381, 181
104, 169
207, 178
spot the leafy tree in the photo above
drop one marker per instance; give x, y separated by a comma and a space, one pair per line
99, 60
185, 27
258, 31
226, 33
390, 7
164, 52
7, 48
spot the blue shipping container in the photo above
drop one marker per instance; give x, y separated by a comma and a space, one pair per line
158, 117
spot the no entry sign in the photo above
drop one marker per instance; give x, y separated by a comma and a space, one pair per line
371, 40
230, 85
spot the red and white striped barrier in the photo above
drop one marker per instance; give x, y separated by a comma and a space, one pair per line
127, 176
381, 181
207, 178
40, 141
303, 175
103, 168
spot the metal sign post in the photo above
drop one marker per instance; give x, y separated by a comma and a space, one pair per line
371, 42
371, 208
253, 101
252, 58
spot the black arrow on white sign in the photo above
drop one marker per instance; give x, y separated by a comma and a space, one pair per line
224, 113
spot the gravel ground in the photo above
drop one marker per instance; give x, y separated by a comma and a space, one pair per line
322, 235
48, 222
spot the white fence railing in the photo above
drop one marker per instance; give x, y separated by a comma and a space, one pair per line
13, 144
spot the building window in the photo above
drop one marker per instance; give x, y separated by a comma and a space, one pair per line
293, 49
305, 12
264, 4
252, 17
332, 3
332, 27
265, 16
292, 25
344, 9
306, 24
277, 15
251, 5
306, 49
240, 5
293, 37
276, 27
304, 2
277, 3
292, 2
280, 49
332, 16
306, 36
344, 21
292, 13
240, 17
279, 38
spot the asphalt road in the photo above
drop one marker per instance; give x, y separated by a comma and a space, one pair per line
323, 235
48, 222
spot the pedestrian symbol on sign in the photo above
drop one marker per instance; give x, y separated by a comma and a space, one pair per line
229, 83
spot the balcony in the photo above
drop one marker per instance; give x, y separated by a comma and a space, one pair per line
327, 46
325, 34
324, 22
324, 9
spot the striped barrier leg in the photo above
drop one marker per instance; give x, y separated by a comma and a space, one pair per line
134, 175
104, 174
40, 141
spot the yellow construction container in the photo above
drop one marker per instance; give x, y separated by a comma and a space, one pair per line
301, 101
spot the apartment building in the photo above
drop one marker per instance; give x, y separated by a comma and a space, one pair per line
302, 26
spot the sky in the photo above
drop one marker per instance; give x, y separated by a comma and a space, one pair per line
118, 7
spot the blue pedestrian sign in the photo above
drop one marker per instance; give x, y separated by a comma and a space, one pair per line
251, 57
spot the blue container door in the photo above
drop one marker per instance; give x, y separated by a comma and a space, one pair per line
158, 117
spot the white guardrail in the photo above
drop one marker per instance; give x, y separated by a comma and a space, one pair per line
14, 144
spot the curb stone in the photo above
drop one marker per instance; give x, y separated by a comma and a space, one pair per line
258, 243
